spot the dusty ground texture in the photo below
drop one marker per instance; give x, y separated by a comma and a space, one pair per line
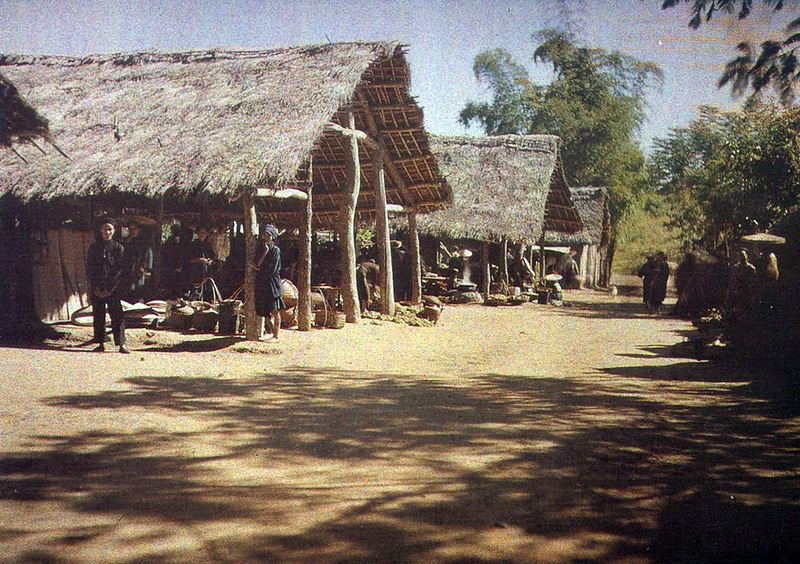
520, 434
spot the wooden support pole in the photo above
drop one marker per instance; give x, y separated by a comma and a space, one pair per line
347, 214
252, 321
304, 272
504, 262
485, 270
541, 259
416, 259
157, 247
382, 239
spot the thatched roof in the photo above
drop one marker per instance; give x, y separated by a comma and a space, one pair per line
592, 206
506, 186
19, 121
216, 122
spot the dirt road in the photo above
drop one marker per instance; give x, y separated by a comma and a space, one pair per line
527, 434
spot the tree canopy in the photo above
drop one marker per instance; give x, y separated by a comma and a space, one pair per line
730, 173
595, 103
772, 65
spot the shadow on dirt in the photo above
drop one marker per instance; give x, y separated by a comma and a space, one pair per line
607, 472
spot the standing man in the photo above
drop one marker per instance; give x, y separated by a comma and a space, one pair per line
201, 261
104, 268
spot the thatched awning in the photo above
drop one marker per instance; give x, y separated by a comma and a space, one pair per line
507, 186
592, 206
19, 121
216, 122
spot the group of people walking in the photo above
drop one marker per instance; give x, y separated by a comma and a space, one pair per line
116, 271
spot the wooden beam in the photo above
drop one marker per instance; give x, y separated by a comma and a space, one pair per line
382, 239
541, 259
281, 194
252, 321
416, 259
352, 132
347, 212
304, 272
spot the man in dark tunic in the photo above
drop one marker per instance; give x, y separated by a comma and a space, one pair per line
655, 274
269, 288
104, 268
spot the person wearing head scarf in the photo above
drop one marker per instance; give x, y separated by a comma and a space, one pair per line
104, 268
269, 289
201, 262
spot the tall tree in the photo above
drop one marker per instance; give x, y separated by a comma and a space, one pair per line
773, 65
595, 103
729, 173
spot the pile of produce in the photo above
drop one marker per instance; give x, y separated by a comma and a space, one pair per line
402, 314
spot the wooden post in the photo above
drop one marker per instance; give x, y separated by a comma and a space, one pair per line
252, 321
416, 261
486, 270
304, 272
541, 259
347, 214
155, 280
505, 261
382, 238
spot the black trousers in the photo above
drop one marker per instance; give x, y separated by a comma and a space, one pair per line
117, 319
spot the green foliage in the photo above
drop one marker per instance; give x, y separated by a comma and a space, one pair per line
730, 173
595, 104
774, 66
646, 229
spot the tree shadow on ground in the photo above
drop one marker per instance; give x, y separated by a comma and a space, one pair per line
496, 468
608, 310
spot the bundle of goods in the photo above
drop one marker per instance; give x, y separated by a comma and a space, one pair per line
457, 297
496, 300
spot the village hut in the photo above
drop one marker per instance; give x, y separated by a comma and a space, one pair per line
222, 135
591, 242
505, 188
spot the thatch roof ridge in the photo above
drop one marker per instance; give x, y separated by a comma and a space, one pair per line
591, 203
19, 121
124, 58
500, 186
149, 123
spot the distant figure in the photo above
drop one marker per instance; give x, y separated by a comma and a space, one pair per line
367, 280
269, 288
201, 261
655, 275
742, 284
401, 271
568, 269
105, 265
139, 259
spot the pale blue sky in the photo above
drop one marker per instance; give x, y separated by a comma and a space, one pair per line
443, 38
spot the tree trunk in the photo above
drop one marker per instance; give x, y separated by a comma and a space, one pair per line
252, 321
347, 214
416, 261
304, 272
382, 239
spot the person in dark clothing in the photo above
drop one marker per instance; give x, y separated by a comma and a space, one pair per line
200, 264
655, 275
401, 271
139, 258
367, 280
269, 288
104, 268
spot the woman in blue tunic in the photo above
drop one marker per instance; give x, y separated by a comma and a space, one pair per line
269, 289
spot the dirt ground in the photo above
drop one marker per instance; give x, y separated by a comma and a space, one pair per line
518, 434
